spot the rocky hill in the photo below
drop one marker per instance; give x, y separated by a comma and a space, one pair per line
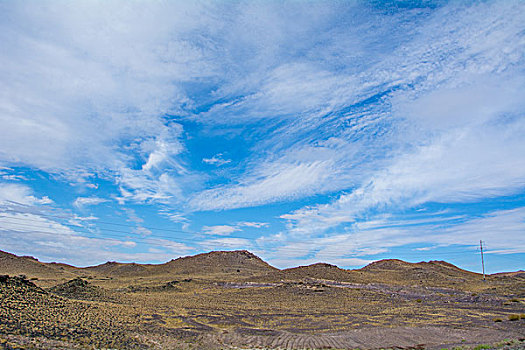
240, 262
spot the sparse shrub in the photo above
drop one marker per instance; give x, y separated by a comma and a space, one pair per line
497, 319
418, 300
522, 316
515, 300
514, 317
482, 346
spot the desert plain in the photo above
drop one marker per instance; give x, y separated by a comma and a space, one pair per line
235, 300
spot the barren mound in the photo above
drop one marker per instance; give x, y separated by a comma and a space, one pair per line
79, 289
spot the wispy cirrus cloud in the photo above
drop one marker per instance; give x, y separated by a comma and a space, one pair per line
82, 202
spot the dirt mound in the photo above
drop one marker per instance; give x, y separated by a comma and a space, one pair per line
80, 289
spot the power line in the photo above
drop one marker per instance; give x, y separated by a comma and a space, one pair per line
113, 230
151, 240
101, 222
187, 240
115, 238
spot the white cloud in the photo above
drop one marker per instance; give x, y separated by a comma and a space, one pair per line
461, 166
439, 75
220, 230
216, 160
284, 182
129, 244
228, 243
17, 194
298, 173
82, 202
80, 221
174, 247
473, 104
460, 125
253, 224
87, 94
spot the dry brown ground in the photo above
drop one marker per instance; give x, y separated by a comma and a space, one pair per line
235, 300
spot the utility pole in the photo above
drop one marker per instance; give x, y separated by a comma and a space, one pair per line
482, 263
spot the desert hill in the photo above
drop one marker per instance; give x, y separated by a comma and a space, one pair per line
238, 262
11, 264
433, 273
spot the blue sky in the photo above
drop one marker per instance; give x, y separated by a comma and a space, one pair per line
303, 131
